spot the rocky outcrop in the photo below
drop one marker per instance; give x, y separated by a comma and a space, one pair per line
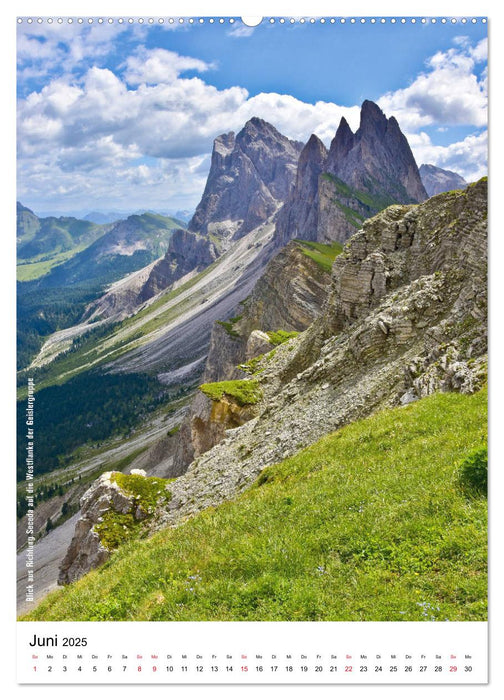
86, 551
436, 180
250, 174
406, 317
208, 424
112, 510
361, 174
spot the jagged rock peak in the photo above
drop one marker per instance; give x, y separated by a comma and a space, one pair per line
377, 158
372, 118
224, 143
341, 143
311, 161
298, 217
257, 128
313, 145
250, 175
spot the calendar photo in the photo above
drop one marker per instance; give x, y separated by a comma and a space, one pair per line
251, 321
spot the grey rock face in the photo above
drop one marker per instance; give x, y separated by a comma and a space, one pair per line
299, 217
249, 175
361, 174
187, 251
437, 180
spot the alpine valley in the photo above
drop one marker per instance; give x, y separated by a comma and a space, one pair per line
276, 411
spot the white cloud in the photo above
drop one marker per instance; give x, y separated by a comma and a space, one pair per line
160, 66
92, 132
467, 158
480, 52
296, 119
448, 94
47, 49
241, 31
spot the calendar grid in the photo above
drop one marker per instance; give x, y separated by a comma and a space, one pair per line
328, 652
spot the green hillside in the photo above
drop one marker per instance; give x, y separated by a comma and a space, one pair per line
45, 242
126, 246
377, 521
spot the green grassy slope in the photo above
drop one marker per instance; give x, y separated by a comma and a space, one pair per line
369, 523
323, 254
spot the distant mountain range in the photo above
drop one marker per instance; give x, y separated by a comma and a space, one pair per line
46, 237
81, 251
437, 180
127, 245
109, 216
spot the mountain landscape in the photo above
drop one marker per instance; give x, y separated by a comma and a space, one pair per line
310, 346
70, 261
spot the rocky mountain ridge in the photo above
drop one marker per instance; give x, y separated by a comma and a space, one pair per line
406, 318
336, 190
437, 180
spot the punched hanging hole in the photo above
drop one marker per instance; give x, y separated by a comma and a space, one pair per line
252, 21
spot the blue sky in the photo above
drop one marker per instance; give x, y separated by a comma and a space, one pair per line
119, 116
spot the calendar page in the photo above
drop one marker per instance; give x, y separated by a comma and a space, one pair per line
251, 349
